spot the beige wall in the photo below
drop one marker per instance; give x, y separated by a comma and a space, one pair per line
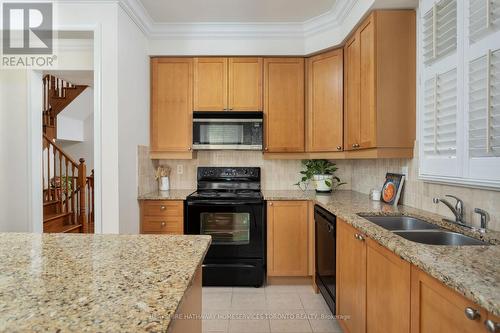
367, 174
276, 174
360, 175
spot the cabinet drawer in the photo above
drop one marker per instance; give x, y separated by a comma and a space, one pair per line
163, 208
159, 225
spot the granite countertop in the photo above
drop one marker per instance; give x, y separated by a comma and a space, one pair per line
473, 271
94, 283
166, 195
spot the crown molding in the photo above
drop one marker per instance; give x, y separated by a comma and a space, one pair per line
231, 30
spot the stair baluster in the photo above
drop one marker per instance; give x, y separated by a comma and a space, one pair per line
66, 188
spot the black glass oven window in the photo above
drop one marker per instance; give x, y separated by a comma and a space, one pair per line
226, 228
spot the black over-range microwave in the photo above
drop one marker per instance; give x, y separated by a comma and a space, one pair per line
239, 130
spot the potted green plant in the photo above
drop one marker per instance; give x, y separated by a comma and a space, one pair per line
322, 173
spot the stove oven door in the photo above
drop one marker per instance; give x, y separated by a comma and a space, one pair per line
237, 228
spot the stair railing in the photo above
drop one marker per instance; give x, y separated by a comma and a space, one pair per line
90, 201
52, 87
65, 182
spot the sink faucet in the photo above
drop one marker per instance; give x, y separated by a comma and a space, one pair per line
457, 210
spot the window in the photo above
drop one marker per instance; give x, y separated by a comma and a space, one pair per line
484, 17
459, 92
440, 30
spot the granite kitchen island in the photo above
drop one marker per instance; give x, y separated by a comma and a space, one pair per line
104, 283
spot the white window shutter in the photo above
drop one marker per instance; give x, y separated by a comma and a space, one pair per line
484, 17
440, 115
484, 106
440, 30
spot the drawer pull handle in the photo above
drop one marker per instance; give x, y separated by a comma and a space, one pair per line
163, 224
359, 237
491, 326
471, 313
162, 207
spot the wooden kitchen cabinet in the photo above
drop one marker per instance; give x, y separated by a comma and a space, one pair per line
245, 84
210, 84
284, 118
351, 278
379, 94
387, 291
437, 308
324, 102
162, 217
287, 238
228, 84
171, 107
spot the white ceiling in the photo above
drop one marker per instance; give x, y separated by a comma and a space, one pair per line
169, 11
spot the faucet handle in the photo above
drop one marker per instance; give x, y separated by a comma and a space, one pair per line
485, 217
459, 206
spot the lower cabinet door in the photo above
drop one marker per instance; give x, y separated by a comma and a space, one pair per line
436, 308
387, 291
351, 278
287, 238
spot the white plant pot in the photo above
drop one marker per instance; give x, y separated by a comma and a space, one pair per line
164, 184
320, 184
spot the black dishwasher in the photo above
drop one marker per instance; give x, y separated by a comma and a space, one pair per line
325, 226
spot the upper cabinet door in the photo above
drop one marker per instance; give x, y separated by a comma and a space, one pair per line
367, 125
352, 93
210, 84
284, 104
245, 84
324, 102
171, 104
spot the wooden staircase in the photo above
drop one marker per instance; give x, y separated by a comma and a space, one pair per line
68, 194
57, 95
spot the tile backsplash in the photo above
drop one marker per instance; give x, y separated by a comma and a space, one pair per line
368, 174
360, 175
276, 174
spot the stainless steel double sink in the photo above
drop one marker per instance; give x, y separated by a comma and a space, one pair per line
420, 231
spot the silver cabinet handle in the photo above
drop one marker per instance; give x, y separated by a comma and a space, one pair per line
339, 147
471, 313
270, 204
162, 207
491, 326
163, 224
189, 149
359, 237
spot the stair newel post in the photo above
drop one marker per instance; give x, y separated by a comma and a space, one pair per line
82, 185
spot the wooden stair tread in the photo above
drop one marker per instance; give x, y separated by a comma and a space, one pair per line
55, 216
51, 202
71, 227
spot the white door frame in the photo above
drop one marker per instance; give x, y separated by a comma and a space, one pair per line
34, 152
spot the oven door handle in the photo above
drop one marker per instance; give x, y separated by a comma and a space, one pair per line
224, 203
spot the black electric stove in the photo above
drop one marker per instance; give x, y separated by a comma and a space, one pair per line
228, 205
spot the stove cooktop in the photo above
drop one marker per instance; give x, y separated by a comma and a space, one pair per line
225, 194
